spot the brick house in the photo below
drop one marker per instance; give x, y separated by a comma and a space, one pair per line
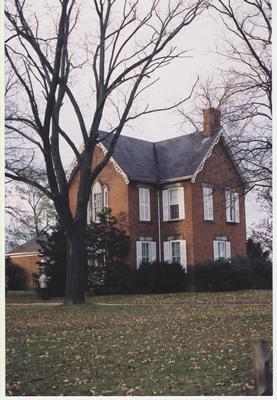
180, 199
26, 256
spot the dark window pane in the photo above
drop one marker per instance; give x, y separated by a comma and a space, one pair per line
174, 211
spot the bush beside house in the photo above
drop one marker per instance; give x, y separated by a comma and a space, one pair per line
159, 278
107, 246
238, 274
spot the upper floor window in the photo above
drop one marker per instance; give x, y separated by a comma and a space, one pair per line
105, 197
222, 249
208, 203
232, 206
144, 204
98, 200
175, 252
173, 204
146, 252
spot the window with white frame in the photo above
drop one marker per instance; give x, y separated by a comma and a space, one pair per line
146, 252
105, 197
232, 206
175, 252
208, 203
222, 249
173, 204
98, 200
144, 204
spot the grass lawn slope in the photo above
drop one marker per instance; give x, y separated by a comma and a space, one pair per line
172, 344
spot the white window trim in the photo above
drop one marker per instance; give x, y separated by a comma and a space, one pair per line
105, 196
234, 203
152, 248
216, 245
144, 204
183, 252
208, 203
166, 203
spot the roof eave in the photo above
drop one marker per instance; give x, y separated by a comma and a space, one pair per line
239, 171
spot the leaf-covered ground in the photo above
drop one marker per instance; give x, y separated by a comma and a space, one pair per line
172, 344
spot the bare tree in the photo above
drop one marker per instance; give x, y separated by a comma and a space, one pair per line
242, 90
31, 213
127, 46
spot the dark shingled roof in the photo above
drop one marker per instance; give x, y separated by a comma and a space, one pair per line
28, 247
161, 161
135, 157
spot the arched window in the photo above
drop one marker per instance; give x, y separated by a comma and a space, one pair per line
105, 197
99, 199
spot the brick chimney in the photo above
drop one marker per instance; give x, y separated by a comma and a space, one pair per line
211, 121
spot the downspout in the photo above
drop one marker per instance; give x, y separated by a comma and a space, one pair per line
158, 200
159, 225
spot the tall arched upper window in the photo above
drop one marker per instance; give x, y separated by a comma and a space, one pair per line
105, 197
98, 200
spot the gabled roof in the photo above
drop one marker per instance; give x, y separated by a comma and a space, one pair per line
29, 247
135, 157
162, 161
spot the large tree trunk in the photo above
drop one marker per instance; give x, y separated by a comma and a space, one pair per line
76, 267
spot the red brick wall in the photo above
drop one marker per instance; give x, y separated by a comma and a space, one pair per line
117, 191
182, 227
117, 187
219, 171
199, 235
141, 228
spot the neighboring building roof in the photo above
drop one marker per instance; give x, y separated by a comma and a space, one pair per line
178, 157
29, 247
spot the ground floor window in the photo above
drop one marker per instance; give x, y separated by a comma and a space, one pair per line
175, 252
146, 252
222, 249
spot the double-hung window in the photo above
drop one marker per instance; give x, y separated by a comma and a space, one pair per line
222, 249
208, 203
144, 204
146, 252
173, 204
232, 206
175, 252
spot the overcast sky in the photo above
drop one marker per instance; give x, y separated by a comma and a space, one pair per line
176, 81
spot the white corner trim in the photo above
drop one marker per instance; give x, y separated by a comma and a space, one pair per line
207, 155
116, 166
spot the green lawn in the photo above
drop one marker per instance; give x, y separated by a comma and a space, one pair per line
175, 344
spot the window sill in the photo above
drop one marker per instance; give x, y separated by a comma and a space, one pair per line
174, 220
232, 223
146, 222
209, 221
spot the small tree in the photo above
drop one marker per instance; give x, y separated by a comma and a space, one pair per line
255, 250
53, 253
31, 213
107, 246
